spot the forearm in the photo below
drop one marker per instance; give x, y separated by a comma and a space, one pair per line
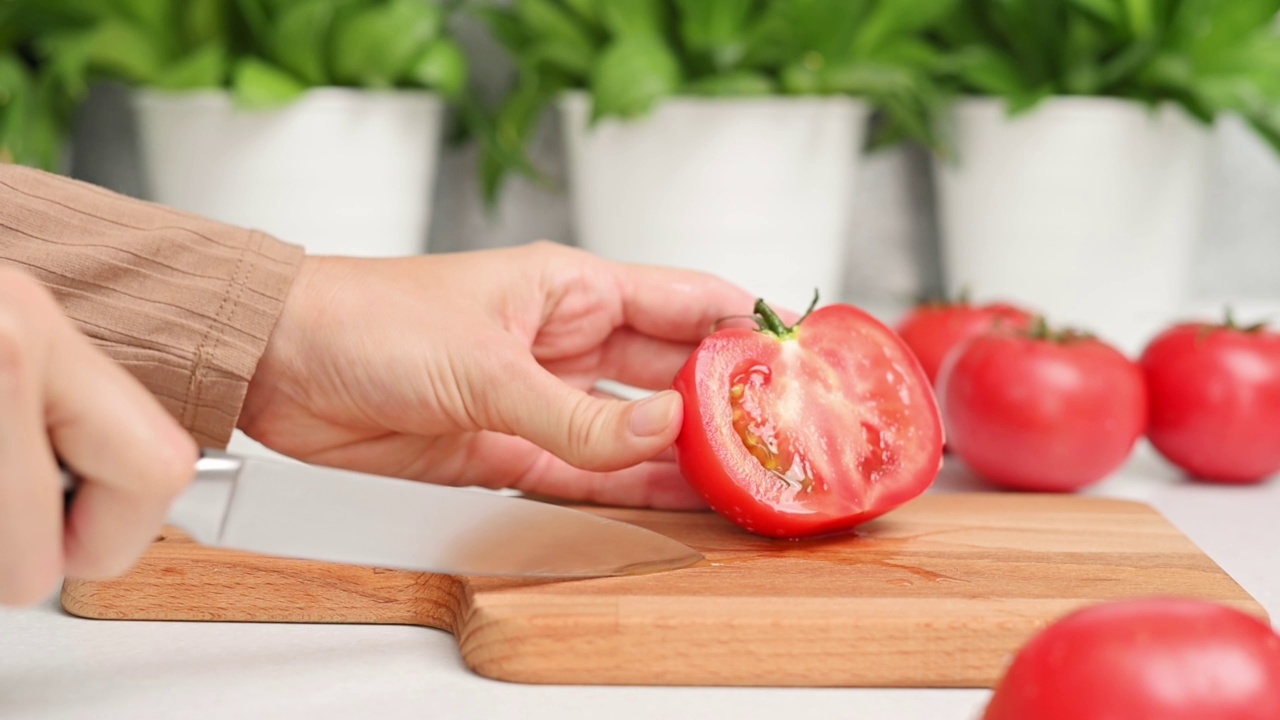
184, 303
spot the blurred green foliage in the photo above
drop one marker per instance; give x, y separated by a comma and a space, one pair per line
36, 103
1212, 57
631, 54
266, 52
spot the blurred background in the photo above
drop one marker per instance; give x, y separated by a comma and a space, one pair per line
1111, 163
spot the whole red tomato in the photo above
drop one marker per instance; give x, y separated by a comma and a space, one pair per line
1147, 659
1215, 400
810, 429
932, 330
1040, 410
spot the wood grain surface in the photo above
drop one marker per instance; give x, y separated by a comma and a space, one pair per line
938, 593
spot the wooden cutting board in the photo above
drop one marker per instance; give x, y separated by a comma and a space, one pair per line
938, 593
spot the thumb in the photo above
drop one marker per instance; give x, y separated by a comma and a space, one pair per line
588, 432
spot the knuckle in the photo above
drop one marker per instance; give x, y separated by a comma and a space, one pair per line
14, 348
21, 300
173, 467
589, 422
549, 251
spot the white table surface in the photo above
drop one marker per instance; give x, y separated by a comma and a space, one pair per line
55, 666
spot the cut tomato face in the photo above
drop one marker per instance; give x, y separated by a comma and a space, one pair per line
810, 429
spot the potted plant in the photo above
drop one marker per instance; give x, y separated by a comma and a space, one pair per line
36, 104
316, 120
720, 135
1080, 145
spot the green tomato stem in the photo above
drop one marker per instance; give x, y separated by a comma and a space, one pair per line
769, 321
771, 324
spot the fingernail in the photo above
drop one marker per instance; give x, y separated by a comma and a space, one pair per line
653, 415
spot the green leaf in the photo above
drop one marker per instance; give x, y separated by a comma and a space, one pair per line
891, 19
1142, 16
988, 70
739, 83
1110, 12
203, 22
548, 21
151, 16
15, 99
716, 28
1084, 44
204, 68
506, 27
258, 85
635, 18
633, 74
587, 11
504, 138
442, 67
124, 50
374, 46
299, 39
1229, 22
574, 59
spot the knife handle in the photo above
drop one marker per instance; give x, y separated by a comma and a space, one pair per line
211, 464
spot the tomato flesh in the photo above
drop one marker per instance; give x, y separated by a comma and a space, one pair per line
808, 434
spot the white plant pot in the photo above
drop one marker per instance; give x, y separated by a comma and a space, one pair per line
756, 190
1088, 209
339, 171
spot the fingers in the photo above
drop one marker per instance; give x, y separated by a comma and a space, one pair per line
494, 460
30, 500
63, 397
586, 431
655, 484
680, 305
628, 357
132, 457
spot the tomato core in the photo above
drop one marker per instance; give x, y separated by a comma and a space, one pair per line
760, 434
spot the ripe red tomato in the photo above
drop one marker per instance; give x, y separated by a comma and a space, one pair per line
1215, 400
1041, 410
798, 431
932, 330
1148, 659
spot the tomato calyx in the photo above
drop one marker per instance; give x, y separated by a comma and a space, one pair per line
1229, 322
1041, 330
768, 322
962, 299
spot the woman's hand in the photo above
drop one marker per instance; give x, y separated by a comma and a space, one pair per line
62, 398
473, 369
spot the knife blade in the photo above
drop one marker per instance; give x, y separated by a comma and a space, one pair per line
295, 510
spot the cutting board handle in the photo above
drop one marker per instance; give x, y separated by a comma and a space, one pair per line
227, 586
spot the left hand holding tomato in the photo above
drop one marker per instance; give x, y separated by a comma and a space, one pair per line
474, 369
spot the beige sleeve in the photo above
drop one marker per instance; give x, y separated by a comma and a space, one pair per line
184, 303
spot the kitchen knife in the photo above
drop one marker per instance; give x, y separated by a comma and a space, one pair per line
295, 510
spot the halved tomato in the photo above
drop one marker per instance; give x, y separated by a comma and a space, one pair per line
809, 429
